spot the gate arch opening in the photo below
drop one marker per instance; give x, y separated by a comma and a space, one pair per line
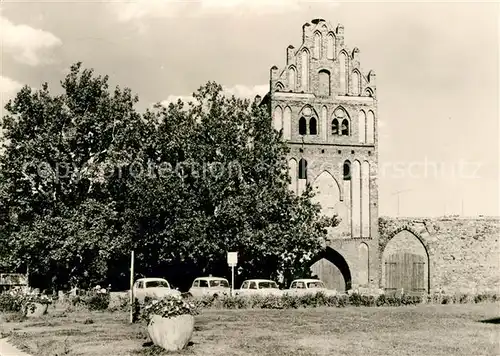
332, 268
405, 264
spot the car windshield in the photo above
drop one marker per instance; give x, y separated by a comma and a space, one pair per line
267, 284
159, 283
219, 283
315, 285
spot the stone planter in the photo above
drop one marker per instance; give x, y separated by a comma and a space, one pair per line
173, 334
37, 311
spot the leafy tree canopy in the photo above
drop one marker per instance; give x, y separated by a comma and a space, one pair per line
85, 179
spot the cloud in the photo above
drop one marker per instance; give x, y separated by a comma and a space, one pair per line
141, 9
239, 91
8, 89
246, 92
175, 98
27, 44
259, 6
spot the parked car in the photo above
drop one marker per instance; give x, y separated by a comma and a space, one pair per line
258, 287
309, 286
214, 286
153, 288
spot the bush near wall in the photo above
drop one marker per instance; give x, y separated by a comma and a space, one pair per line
10, 303
321, 300
305, 301
339, 301
440, 298
91, 300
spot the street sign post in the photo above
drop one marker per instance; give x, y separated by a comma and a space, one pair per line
232, 261
132, 298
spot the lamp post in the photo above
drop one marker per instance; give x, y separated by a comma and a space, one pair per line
398, 192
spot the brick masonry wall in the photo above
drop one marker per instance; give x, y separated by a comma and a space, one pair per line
463, 252
325, 151
350, 250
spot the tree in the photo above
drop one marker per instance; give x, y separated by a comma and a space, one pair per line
52, 173
226, 189
84, 179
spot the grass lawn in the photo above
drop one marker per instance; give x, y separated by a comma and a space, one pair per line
420, 330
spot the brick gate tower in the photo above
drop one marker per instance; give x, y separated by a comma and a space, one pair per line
326, 107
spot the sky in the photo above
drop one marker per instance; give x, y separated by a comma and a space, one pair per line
437, 68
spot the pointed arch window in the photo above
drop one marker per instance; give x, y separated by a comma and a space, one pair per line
324, 122
345, 127
302, 126
324, 82
317, 45
356, 83
305, 70
343, 73
287, 123
330, 45
291, 79
302, 169
341, 122
370, 127
335, 127
313, 126
347, 170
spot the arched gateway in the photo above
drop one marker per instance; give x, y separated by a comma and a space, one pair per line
331, 267
405, 264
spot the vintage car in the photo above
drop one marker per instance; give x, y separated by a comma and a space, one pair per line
309, 286
213, 286
154, 288
258, 287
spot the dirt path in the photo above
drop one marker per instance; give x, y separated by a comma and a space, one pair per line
7, 349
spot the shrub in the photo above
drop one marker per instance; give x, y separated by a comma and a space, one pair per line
10, 303
445, 299
290, 302
368, 300
342, 300
321, 299
207, 301
232, 302
485, 297
97, 301
287, 301
463, 298
411, 299
307, 300
272, 302
22, 300
381, 300
119, 303
94, 299
355, 300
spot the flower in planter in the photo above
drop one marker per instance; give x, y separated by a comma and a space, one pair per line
168, 307
29, 299
170, 321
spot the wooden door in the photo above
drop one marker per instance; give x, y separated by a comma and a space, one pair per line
329, 274
405, 271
